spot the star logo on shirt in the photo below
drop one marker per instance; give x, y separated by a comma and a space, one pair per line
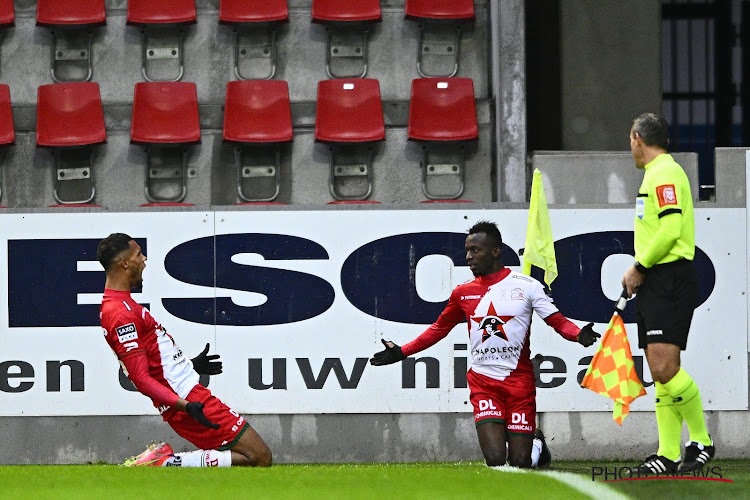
492, 324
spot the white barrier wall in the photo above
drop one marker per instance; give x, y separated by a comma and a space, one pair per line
297, 301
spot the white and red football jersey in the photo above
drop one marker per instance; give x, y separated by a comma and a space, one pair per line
497, 308
130, 330
500, 325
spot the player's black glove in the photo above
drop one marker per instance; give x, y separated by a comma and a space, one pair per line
205, 364
587, 336
391, 354
195, 410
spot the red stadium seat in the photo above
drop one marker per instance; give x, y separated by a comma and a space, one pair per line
7, 14
7, 131
258, 113
443, 20
166, 120
70, 119
247, 15
442, 110
162, 20
71, 26
349, 112
347, 25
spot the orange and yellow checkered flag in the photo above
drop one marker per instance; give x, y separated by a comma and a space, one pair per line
612, 372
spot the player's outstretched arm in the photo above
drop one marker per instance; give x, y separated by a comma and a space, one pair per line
391, 354
205, 364
587, 336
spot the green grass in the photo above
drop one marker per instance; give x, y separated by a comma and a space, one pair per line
378, 481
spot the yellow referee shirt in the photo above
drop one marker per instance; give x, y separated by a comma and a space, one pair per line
664, 224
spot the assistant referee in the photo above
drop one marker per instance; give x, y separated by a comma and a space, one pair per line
666, 285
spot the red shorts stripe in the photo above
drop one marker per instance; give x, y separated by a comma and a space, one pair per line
511, 401
231, 423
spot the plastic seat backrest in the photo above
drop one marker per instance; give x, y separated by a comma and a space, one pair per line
442, 109
7, 132
349, 110
7, 14
244, 11
161, 11
257, 111
65, 12
345, 11
165, 112
440, 9
69, 114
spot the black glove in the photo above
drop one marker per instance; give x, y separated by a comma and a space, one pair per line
391, 354
195, 410
205, 364
587, 336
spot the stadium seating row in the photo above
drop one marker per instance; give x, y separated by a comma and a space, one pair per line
257, 114
346, 23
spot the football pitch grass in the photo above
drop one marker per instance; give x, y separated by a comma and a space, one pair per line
564, 480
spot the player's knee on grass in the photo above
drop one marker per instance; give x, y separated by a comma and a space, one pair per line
494, 460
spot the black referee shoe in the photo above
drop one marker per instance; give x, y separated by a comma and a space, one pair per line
696, 456
655, 465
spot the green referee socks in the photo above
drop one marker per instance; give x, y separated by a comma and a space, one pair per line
687, 401
669, 424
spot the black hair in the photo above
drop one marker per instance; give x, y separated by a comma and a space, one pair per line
110, 247
490, 229
653, 129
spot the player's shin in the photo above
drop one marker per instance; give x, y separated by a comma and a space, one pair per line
200, 458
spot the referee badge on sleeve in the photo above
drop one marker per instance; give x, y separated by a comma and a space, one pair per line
640, 207
666, 195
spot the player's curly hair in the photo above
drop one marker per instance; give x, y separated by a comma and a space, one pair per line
110, 247
490, 229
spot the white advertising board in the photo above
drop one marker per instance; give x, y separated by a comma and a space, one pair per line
297, 301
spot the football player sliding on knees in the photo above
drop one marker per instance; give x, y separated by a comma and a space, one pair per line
497, 306
157, 367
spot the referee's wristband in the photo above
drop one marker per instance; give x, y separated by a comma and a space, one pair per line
640, 267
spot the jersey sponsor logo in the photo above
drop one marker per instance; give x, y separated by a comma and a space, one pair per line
470, 297
666, 195
492, 324
654, 332
126, 333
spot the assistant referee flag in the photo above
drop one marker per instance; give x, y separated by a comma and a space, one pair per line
612, 372
540, 246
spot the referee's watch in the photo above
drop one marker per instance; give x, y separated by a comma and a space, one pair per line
640, 267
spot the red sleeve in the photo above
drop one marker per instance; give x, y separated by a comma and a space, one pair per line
562, 325
136, 366
450, 317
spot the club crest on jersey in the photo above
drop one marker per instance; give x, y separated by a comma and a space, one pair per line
492, 324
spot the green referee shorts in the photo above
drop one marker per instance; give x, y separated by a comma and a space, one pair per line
665, 303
